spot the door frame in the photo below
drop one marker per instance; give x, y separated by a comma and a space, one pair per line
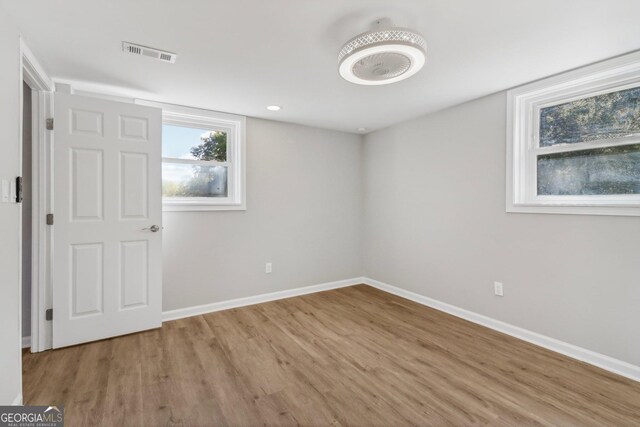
42, 87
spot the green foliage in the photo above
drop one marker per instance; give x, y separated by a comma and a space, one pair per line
610, 115
213, 147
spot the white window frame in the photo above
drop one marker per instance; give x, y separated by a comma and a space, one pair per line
235, 127
523, 113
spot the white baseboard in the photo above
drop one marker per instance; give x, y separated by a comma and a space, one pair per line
18, 400
26, 342
241, 302
591, 357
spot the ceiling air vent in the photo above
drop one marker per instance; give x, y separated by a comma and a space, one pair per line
136, 49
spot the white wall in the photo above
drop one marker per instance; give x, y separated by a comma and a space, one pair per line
10, 86
304, 214
435, 224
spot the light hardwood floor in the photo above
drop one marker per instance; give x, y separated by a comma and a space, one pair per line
353, 356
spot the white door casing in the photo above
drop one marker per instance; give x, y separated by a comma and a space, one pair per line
107, 263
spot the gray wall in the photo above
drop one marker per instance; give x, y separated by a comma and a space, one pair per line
435, 224
10, 86
304, 214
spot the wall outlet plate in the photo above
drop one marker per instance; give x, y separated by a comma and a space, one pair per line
268, 268
6, 191
498, 289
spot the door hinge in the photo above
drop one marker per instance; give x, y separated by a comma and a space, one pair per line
49, 124
49, 219
48, 315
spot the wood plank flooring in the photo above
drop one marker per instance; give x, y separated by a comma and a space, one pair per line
355, 356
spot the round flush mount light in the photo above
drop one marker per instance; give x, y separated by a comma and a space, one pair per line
362, 129
383, 55
274, 108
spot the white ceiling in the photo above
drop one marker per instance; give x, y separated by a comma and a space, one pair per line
239, 56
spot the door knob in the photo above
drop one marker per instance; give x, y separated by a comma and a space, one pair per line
153, 228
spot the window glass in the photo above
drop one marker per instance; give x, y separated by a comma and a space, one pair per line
180, 142
189, 180
606, 116
603, 171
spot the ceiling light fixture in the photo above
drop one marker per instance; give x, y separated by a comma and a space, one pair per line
274, 108
383, 55
361, 129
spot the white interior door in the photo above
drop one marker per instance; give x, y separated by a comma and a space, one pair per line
107, 258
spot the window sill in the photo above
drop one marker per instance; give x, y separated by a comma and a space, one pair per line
575, 210
199, 207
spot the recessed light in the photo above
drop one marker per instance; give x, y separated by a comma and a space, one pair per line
361, 129
274, 108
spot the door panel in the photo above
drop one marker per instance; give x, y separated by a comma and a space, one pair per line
85, 122
133, 185
134, 280
107, 262
87, 286
134, 128
87, 182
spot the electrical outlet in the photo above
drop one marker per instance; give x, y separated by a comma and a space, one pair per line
268, 268
497, 289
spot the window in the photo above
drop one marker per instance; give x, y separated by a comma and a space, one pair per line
202, 160
573, 141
